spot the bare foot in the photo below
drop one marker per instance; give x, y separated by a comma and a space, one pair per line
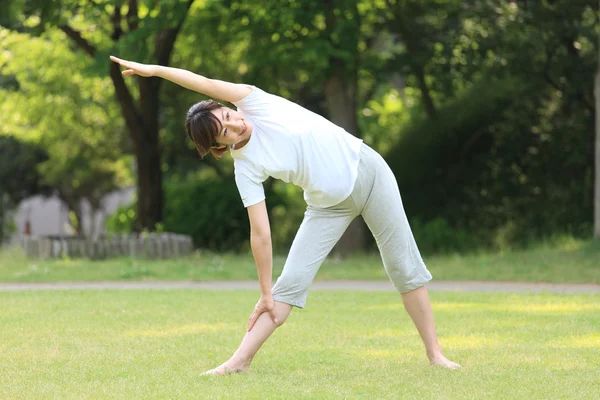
441, 361
228, 368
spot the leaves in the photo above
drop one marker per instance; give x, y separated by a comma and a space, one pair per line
71, 115
411, 65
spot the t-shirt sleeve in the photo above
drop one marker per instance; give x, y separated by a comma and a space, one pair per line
258, 102
249, 184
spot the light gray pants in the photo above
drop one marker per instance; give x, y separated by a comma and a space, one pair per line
377, 198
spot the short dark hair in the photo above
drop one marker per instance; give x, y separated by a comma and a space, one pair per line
203, 128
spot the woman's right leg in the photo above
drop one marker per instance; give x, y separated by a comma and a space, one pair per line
319, 232
252, 342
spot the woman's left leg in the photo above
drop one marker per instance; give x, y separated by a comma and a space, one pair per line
416, 303
384, 214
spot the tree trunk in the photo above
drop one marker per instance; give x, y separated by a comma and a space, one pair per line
95, 209
340, 95
149, 182
2, 214
73, 204
341, 105
141, 119
597, 157
430, 109
143, 129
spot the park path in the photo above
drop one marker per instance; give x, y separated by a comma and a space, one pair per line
445, 286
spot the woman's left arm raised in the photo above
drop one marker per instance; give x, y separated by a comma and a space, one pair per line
221, 90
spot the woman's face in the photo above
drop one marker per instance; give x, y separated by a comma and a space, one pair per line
236, 129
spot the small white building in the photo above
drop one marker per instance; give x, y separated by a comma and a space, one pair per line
50, 216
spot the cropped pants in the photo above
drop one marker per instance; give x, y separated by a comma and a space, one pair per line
377, 198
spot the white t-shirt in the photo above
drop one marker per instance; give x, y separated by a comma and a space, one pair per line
290, 143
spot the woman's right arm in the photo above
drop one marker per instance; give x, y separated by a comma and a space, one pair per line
221, 90
262, 250
260, 242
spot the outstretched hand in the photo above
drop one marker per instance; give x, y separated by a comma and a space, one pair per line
264, 305
134, 68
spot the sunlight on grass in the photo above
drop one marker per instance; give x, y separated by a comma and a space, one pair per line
523, 308
581, 341
81, 345
567, 243
388, 307
392, 353
384, 333
547, 308
191, 329
459, 306
471, 342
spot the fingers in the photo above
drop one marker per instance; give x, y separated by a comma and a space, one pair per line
256, 314
123, 63
273, 315
252, 320
118, 60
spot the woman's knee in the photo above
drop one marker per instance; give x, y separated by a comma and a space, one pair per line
281, 321
282, 311
292, 284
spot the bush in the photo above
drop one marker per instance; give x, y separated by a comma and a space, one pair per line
504, 161
211, 212
437, 236
122, 220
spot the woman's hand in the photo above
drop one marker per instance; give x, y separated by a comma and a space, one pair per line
134, 68
266, 304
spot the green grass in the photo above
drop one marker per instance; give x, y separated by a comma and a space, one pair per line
154, 344
566, 261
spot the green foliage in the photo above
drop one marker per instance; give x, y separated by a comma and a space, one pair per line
483, 109
432, 156
509, 159
122, 220
209, 210
482, 167
19, 176
140, 30
383, 117
437, 236
69, 114
286, 206
560, 260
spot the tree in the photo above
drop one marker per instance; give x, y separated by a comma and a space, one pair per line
513, 146
597, 153
142, 30
68, 113
19, 177
309, 52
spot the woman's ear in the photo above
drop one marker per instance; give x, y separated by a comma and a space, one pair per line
219, 146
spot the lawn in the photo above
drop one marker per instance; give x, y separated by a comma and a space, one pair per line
566, 261
153, 344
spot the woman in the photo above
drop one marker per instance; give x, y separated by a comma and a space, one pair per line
342, 178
